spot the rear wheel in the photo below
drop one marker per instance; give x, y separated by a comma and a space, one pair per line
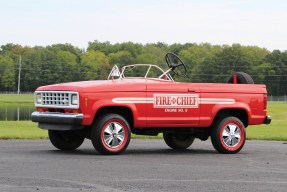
65, 140
228, 135
178, 141
111, 134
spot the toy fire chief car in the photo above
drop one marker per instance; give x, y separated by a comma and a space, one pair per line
143, 99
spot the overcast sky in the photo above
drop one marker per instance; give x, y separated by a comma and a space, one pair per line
248, 22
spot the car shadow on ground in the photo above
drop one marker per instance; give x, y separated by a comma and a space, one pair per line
168, 151
133, 152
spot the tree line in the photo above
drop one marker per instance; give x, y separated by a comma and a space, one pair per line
205, 63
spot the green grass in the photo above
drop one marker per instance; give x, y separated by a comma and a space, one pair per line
21, 130
16, 100
277, 130
30, 130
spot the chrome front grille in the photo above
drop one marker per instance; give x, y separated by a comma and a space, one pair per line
56, 99
61, 99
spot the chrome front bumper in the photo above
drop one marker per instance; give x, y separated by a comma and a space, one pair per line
58, 121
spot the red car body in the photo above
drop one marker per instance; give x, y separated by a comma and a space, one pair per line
149, 112
107, 111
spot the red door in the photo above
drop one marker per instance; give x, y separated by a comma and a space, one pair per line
172, 104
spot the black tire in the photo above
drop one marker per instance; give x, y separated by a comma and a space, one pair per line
111, 134
228, 135
65, 140
242, 78
178, 141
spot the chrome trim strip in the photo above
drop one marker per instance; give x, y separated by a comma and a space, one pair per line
56, 114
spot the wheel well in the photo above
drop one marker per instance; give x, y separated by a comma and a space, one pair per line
239, 113
123, 111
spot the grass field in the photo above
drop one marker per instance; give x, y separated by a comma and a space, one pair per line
21, 130
277, 130
17, 100
29, 130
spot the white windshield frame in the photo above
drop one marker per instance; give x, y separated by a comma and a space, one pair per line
164, 73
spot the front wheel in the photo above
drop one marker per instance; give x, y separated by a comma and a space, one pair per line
228, 135
111, 134
178, 141
65, 140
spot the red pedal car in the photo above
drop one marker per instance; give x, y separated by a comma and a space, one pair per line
143, 99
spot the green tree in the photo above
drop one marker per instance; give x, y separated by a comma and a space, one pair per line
105, 47
134, 48
68, 66
8, 78
121, 58
198, 59
94, 65
224, 63
176, 48
205, 63
40, 67
153, 54
66, 47
6, 67
277, 61
8, 48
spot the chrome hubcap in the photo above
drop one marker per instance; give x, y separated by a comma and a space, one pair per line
231, 135
114, 135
